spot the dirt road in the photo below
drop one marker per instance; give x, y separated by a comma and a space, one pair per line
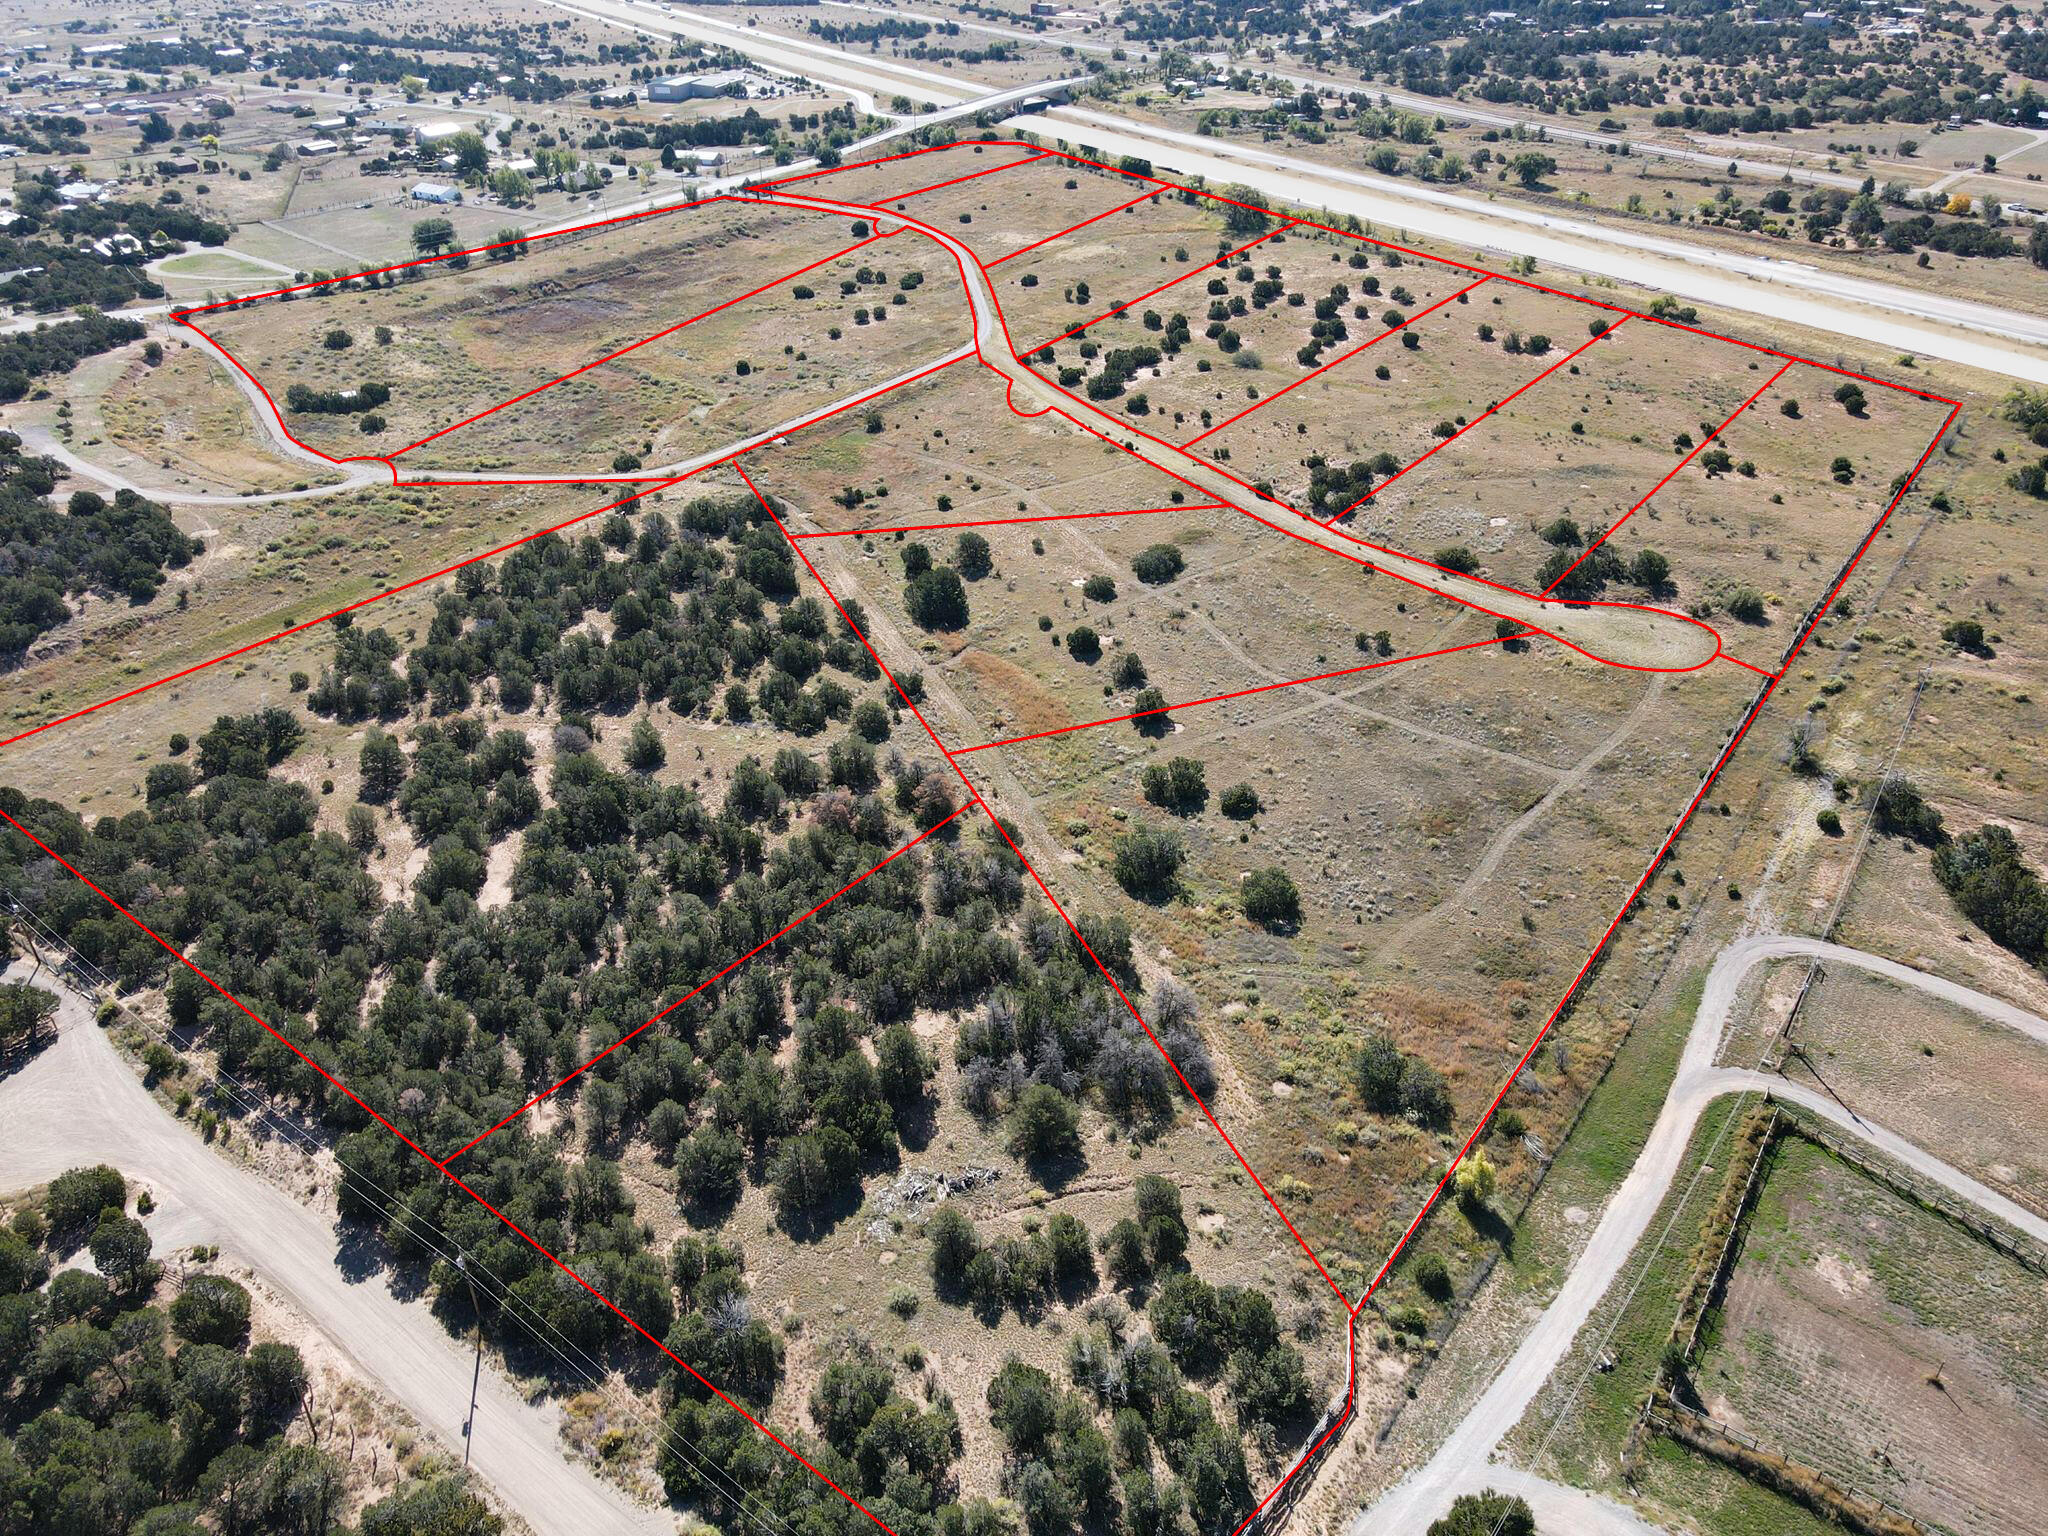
78, 1103
1461, 1464
1626, 635
2008, 341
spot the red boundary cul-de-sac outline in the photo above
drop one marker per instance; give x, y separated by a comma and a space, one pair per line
1118, 434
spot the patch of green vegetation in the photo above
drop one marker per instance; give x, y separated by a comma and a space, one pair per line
1718, 1499
1617, 1119
1605, 1406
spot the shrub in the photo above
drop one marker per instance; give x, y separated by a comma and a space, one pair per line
1150, 709
1985, 875
1475, 1180
1649, 570
1456, 557
937, 600
1424, 1097
1160, 1220
954, 1245
1146, 862
971, 556
1965, 634
1083, 644
709, 1164
645, 750
1901, 808
76, 1198
1177, 785
1433, 1277
1486, 1514
1044, 1126
1123, 1253
1072, 1254
1157, 564
1099, 589
1378, 1070
1270, 897
276, 1379
1240, 802
1747, 605
211, 1309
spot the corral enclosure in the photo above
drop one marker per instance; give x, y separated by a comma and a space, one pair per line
1879, 1343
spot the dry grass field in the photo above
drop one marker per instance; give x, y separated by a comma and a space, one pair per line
267, 568
183, 422
1938, 1075
1877, 1342
463, 342
1461, 818
1440, 815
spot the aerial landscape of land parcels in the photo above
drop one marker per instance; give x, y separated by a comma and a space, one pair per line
911, 768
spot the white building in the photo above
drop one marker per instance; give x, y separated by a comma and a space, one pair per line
435, 192
694, 87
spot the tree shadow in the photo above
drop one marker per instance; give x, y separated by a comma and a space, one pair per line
1056, 1170
917, 1122
362, 1255
817, 1222
1492, 1226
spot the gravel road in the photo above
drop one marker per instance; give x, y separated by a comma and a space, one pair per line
79, 1103
1462, 1463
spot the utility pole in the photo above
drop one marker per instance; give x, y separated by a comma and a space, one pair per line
477, 1372
29, 938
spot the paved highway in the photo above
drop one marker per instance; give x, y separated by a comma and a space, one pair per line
2010, 342
1432, 106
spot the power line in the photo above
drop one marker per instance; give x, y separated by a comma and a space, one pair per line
253, 1104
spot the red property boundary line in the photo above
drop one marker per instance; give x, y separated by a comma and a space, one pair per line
1346, 357
1063, 233
301, 628
1486, 415
1352, 1308
953, 761
1242, 693
631, 346
1124, 307
1670, 475
716, 976
1007, 522
987, 170
532, 1242
658, 485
